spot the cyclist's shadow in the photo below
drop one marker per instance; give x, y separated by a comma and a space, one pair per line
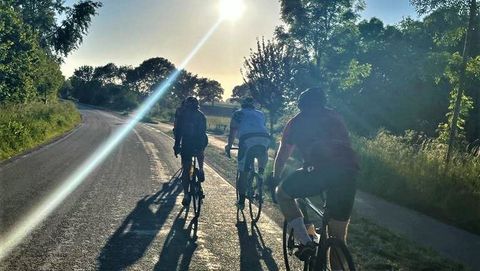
178, 247
253, 249
130, 241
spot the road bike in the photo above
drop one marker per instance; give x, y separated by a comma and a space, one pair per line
254, 191
331, 252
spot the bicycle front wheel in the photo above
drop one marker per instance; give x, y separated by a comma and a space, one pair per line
255, 199
337, 256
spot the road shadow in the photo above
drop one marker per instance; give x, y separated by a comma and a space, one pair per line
253, 250
178, 247
130, 241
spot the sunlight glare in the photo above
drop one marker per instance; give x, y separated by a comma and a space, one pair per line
231, 9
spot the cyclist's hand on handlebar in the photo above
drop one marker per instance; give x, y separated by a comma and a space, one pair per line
228, 147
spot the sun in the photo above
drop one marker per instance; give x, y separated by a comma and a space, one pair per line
231, 9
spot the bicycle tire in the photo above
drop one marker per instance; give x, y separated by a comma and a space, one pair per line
256, 199
341, 254
197, 198
292, 263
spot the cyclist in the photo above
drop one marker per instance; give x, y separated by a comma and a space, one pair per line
190, 140
248, 124
329, 165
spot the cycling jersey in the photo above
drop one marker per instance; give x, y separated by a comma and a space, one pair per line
249, 121
322, 139
190, 131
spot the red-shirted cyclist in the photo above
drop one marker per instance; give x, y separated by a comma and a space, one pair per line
329, 165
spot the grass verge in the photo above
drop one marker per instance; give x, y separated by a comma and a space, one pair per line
415, 175
26, 126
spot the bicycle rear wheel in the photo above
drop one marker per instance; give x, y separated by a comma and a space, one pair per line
290, 245
337, 256
197, 197
255, 197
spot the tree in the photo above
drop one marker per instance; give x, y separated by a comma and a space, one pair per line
108, 75
26, 72
209, 90
55, 35
239, 92
184, 86
268, 72
149, 74
470, 49
312, 23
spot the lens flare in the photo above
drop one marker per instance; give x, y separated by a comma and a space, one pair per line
231, 9
53, 200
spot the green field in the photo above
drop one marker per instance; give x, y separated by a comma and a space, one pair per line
23, 127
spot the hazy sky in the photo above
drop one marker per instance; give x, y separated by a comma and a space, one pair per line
126, 32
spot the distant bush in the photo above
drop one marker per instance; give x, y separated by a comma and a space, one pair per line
410, 170
24, 126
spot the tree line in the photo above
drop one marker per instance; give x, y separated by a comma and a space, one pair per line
395, 77
34, 41
124, 87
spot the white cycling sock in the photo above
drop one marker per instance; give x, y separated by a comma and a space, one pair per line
299, 230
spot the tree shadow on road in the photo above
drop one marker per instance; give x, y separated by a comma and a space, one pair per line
253, 249
178, 248
130, 241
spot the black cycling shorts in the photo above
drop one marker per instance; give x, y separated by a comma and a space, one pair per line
339, 184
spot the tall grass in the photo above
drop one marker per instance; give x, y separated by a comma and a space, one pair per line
413, 173
24, 126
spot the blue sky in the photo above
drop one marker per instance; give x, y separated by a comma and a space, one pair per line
127, 32
389, 11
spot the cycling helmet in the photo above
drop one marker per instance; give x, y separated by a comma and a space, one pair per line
191, 102
312, 98
248, 102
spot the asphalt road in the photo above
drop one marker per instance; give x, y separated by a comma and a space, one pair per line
127, 213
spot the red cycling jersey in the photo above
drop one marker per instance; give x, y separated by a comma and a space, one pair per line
322, 138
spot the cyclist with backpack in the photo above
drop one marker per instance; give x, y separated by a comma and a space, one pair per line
190, 140
330, 165
248, 124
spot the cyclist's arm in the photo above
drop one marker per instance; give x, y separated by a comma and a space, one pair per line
232, 134
234, 124
177, 133
175, 122
203, 124
285, 150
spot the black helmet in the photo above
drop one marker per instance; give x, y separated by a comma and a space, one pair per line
248, 102
191, 102
312, 98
